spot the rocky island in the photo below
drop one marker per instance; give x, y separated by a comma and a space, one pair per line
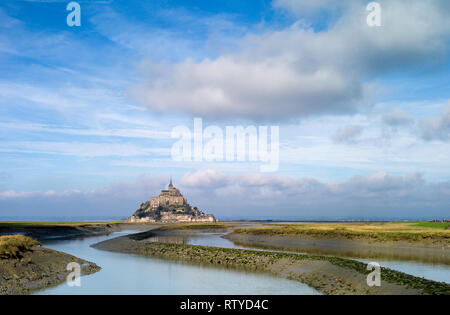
169, 207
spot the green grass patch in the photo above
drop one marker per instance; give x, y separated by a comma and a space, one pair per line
434, 225
12, 246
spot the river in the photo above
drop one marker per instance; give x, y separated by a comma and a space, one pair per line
431, 271
133, 274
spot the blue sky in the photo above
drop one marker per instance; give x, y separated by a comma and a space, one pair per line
86, 113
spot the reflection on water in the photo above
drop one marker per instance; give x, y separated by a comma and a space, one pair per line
133, 274
204, 239
348, 248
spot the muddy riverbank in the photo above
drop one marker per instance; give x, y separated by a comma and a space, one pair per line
50, 231
38, 268
329, 275
398, 250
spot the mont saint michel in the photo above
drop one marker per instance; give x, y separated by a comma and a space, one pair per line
169, 206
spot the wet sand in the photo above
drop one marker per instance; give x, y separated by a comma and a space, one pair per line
41, 267
38, 268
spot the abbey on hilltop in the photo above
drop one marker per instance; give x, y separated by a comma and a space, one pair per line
169, 206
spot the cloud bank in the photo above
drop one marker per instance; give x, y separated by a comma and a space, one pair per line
377, 195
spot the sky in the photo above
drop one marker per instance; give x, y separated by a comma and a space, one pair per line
87, 112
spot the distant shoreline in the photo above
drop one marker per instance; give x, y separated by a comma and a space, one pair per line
118, 219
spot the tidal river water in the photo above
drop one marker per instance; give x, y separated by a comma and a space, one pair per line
431, 271
133, 274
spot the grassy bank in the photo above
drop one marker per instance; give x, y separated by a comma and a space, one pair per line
37, 224
13, 246
389, 231
45, 230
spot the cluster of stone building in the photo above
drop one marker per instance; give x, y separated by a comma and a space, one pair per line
169, 206
171, 197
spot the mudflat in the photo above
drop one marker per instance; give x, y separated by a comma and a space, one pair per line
29, 269
61, 230
362, 248
329, 275
26, 266
415, 241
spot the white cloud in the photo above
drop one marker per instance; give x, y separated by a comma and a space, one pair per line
298, 72
437, 128
397, 117
263, 89
204, 178
13, 194
348, 134
374, 195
